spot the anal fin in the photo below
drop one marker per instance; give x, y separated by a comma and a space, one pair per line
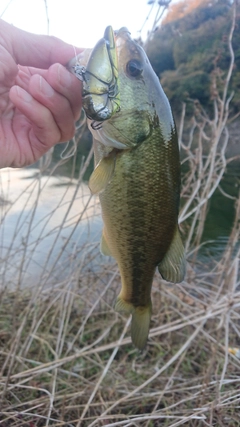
122, 306
172, 267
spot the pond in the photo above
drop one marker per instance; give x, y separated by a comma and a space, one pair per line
49, 226
221, 213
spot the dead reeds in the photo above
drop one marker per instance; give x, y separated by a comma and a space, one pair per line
66, 358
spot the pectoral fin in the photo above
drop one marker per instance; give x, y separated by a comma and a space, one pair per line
101, 175
172, 267
104, 248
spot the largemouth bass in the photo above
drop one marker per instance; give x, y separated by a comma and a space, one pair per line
137, 170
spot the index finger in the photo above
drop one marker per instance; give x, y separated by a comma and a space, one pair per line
61, 80
33, 49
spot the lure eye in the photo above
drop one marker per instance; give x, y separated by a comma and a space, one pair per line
134, 68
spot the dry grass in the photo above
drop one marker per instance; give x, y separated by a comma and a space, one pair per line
66, 358
67, 361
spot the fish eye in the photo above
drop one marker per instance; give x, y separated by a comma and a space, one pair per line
134, 68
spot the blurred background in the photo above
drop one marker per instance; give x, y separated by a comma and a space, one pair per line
63, 360
76, 22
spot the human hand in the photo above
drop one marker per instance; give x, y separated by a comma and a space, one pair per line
39, 99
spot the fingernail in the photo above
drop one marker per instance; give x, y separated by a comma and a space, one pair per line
64, 76
23, 94
45, 88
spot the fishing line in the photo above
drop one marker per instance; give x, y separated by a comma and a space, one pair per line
69, 152
75, 52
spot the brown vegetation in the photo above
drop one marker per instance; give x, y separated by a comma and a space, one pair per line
66, 358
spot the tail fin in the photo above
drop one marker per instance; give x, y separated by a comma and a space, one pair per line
141, 317
140, 326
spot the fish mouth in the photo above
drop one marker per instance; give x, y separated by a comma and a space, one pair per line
123, 31
122, 36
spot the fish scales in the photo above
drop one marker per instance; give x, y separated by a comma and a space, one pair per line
137, 171
138, 231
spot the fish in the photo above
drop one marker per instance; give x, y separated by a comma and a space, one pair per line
137, 170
